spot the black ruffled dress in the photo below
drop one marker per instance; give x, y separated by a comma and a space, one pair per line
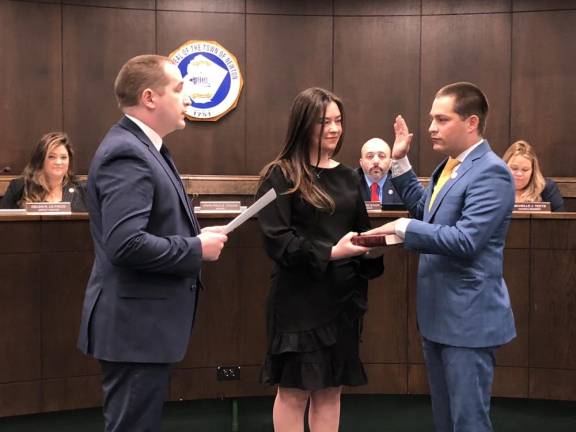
315, 306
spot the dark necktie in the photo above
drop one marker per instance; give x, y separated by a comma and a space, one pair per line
168, 158
374, 196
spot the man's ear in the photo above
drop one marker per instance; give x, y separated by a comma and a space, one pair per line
473, 122
147, 98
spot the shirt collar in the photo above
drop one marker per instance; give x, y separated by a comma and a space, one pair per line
469, 150
148, 131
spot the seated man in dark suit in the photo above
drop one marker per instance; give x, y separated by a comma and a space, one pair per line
375, 181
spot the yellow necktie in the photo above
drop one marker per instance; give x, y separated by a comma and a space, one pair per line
444, 176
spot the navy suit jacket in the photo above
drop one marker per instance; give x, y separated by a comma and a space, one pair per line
462, 299
389, 193
140, 299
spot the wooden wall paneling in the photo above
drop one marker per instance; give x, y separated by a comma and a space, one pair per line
417, 379
254, 274
517, 277
510, 382
297, 7
453, 51
414, 338
433, 7
519, 232
117, 4
284, 55
385, 335
208, 147
97, 42
550, 232
229, 6
377, 7
554, 384
376, 73
65, 275
73, 392
20, 312
382, 379
30, 78
18, 398
536, 5
552, 324
216, 333
544, 89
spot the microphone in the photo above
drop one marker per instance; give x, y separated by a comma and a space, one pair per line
5, 170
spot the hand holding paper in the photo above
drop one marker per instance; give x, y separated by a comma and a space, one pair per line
262, 202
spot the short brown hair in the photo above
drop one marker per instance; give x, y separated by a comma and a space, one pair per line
138, 74
468, 100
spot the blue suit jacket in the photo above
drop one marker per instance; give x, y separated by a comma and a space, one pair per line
462, 299
140, 298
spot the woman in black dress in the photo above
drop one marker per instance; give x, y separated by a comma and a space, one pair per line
320, 279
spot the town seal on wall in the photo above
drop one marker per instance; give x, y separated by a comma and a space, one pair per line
212, 79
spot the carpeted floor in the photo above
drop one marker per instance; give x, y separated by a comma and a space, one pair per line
374, 413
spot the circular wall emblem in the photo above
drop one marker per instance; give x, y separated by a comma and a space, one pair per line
212, 79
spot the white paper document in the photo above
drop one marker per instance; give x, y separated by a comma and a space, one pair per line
262, 202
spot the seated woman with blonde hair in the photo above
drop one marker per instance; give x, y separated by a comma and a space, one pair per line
531, 186
48, 176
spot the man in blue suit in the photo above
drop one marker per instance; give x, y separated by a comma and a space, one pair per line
459, 225
141, 296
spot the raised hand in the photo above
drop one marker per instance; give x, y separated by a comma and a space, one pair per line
402, 140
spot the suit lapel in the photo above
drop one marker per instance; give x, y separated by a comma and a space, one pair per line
170, 171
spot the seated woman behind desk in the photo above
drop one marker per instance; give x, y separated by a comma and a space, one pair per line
48, 176
531, 186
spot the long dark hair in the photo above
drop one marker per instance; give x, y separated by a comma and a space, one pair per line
36, 186
308, 108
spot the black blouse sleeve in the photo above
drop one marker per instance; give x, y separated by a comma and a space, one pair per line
370, 268
13, 194
288, 248
551, 194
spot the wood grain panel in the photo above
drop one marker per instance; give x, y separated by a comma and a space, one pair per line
382, 379
414, 338
297, 7
417, 379
281, 68
430, 7
467, 57
553, 384
536, 5
552, 325
376, 73
215, 336
97, 42
117, 4
72, 393
20, 312
20, 398
65, 275
510, 382
377, 7
254, 275
384, 337
30, 78
551, 233
544, 66
230, 6
208, 147
519, 232
517, 277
